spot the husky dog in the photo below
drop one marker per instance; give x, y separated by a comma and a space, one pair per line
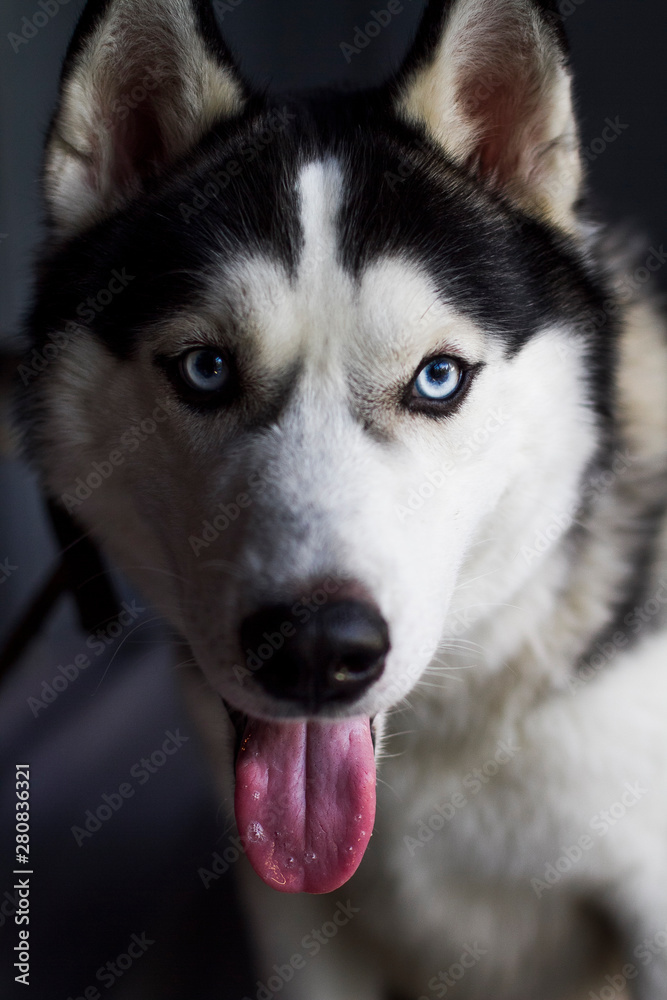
353, 388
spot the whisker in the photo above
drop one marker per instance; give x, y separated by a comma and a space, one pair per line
438, 687
445, 669
157, 569
119, 647
381, 781
232, 568
468, 583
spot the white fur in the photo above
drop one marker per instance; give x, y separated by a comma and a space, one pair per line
331, 508
485, 629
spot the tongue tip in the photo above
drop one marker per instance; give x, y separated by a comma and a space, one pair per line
303, 881
298, 884
306, 876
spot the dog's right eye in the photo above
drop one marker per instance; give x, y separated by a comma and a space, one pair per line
204, 378
204, 370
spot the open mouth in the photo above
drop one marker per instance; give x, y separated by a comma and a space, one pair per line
305, 799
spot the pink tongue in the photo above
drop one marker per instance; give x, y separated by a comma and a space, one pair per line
305, 801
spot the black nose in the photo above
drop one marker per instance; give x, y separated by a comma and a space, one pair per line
330, 657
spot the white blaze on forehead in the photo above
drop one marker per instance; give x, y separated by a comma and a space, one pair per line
319, 187
395, 309
329, 321
324, 290
303, 316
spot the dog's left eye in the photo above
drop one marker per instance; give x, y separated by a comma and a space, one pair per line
204, 370
439, 380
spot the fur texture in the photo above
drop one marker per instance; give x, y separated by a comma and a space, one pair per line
513, 539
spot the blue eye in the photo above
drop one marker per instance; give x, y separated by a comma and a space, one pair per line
204, 369
439, 379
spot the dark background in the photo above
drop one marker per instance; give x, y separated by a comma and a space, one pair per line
140, 872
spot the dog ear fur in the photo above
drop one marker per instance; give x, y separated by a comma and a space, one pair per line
489, 81
143, 81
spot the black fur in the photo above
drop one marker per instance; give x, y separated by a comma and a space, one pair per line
511, 273
235, 194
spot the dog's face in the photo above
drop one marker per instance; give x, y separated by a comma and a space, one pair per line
317, 383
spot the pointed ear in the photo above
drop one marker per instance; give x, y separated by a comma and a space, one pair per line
143, 81
489, 80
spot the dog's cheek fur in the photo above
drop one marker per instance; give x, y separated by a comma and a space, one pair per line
541, 439
106, 434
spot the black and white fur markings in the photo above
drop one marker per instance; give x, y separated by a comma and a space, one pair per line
299, 330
